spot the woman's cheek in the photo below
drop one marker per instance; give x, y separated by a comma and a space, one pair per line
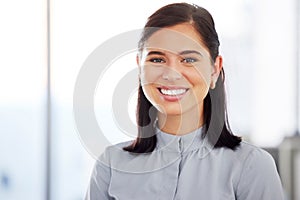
149, 75
202, 76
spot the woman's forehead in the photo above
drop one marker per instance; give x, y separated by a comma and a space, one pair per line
175, 39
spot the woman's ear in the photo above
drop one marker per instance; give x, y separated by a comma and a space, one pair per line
217, 67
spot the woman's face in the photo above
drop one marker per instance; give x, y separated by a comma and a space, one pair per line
176, 70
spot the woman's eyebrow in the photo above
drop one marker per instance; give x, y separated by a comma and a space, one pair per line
155, 53
180, 53
190, 52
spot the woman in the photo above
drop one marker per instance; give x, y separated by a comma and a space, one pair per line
185, 148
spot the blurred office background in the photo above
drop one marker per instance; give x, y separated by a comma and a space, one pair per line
43, 45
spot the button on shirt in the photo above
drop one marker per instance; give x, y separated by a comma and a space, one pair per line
185, 168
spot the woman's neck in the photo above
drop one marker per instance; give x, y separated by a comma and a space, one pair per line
181, 124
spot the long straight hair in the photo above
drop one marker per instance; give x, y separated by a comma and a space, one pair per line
215, 107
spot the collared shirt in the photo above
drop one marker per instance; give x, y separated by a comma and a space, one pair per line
185, 168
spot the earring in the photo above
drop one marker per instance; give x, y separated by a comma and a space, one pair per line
212, 84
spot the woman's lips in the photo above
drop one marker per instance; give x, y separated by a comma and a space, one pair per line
172, 93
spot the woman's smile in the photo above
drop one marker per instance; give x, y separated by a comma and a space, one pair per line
172, 93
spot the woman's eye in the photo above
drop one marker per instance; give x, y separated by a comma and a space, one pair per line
189, 60
157, 60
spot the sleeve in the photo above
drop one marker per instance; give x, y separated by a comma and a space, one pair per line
259, 179
99, 182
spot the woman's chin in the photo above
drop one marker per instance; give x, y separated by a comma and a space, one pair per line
171, 110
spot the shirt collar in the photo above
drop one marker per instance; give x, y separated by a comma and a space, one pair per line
180, 143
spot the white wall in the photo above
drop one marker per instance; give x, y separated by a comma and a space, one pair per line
22, 99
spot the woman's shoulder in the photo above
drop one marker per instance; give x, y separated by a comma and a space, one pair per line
116, 148
120, 145
252, 156
258, 174
247, 150
245, 154
112, 153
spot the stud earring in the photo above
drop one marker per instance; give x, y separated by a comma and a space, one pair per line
212, 84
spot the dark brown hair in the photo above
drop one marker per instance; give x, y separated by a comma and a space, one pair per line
215, 112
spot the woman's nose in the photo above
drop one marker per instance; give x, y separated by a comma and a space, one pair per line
171, 74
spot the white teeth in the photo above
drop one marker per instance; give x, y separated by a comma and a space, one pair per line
173, 92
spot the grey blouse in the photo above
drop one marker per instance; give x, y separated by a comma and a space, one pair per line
185, 168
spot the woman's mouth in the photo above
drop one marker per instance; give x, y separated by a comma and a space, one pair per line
172, 94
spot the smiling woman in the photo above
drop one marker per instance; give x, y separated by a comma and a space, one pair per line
184, 148
176, 73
